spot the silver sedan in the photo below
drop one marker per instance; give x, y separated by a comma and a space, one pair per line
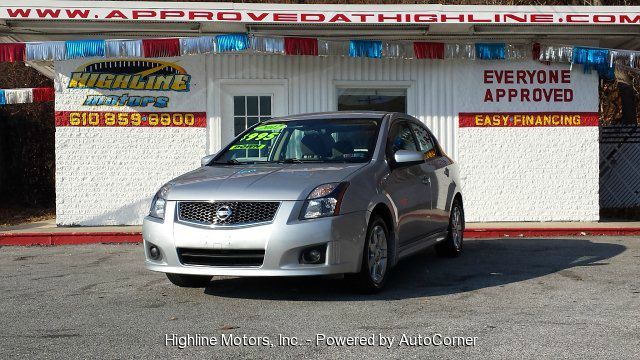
317, 194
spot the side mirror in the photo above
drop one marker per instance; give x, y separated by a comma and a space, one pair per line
207, 159
408, 157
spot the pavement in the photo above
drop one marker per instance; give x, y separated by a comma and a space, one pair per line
47, 233
519, 297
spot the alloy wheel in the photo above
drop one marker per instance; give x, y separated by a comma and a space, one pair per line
377, 254
456, 227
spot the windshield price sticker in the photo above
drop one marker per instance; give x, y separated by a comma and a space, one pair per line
248, 147
263, 133
266, 136
271, 127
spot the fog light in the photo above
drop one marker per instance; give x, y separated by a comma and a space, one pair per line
313, 255
154, 252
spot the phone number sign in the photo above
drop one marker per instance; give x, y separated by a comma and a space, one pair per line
131, 92
130, 119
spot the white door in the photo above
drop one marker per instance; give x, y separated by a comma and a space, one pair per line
246, 105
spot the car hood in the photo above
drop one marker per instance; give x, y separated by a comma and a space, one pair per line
257, 182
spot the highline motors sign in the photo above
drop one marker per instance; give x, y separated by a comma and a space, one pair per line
168, 92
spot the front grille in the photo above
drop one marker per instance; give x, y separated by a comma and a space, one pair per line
217, 257
227, 213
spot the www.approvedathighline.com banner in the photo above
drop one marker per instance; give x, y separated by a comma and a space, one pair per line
274, 13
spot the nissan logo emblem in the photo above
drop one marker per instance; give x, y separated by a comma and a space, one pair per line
223, 213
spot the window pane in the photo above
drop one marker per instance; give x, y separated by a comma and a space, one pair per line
424, 140
400, 138
238, 125
252, 120
238, 105
265, 105
252, 105
373, 99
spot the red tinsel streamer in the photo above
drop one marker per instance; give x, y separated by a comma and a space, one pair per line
535, 53
428, 50
161, 47
12, 52
301, 46
43, 94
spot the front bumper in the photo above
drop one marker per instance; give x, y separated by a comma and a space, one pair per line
282, 240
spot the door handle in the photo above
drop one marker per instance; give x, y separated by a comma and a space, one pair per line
426, 180
446, 171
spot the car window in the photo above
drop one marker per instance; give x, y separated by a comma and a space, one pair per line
426, 143
314, 140
400, 138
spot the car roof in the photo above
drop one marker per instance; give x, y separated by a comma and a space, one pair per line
335, 115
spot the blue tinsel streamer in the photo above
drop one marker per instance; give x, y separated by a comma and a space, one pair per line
490, 51
232, 42
365, 48
85, 48
3, 99
591, 58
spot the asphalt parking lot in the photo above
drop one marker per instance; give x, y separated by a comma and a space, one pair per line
521, 298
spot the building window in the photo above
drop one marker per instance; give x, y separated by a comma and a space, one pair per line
372, 99
249, 110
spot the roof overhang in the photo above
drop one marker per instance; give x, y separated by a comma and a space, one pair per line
60, 20
248, 13
41, 20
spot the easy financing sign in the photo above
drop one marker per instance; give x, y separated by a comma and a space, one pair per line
168, 92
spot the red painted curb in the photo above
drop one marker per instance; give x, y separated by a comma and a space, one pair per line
70, 238
480, 233
75, 238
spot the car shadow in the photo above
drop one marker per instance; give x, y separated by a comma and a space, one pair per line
484, 264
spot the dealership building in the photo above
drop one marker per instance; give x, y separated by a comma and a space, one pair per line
144, 90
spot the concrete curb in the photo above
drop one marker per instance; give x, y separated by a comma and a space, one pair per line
75, 238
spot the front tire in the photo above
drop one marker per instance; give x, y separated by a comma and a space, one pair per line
375, 257
192, 281
452, 245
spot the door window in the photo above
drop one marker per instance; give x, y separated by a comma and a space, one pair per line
400, 138
249, 110
425, 142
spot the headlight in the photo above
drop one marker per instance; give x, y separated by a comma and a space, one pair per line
159, 203
324, 200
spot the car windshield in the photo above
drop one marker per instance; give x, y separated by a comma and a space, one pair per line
321, 141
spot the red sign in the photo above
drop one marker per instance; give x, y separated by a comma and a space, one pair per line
130, 119
530, 119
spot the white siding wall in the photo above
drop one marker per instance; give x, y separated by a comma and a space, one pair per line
312, 83
518, 185
103, 175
